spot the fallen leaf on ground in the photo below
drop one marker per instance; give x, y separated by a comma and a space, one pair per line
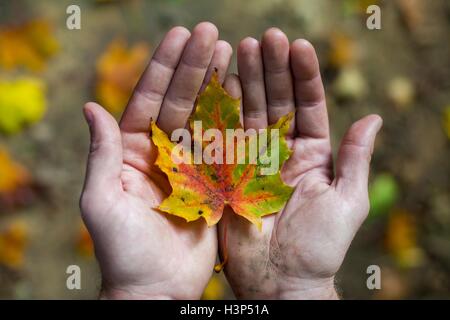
383, 193
13, 240
343, 50
29, 44
118, 71
401, 91
401, 238
350, 84
358, 7
15, 182
22, 103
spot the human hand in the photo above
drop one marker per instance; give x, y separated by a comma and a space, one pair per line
301, 248
144, 253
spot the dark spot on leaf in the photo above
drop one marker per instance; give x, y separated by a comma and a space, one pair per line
200, 212
174, 169
182, 199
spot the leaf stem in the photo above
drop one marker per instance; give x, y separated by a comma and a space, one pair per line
219, 267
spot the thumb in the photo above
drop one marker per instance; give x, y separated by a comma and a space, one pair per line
105, 155
355, 152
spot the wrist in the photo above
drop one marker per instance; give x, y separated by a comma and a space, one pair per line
131, 292
308, 289
126, 294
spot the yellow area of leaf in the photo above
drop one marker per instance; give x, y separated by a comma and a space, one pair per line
12, 174
84, 245
118, 71
13, 241
183, 202
401, 238
29, 45
215, 290
22, 102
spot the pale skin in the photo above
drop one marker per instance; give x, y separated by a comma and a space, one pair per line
146, 254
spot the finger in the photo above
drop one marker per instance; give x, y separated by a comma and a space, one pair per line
148, 95
312, 117
105, 156
188, 78
251, 73
352, 168
232, 85
277, 75
219, 62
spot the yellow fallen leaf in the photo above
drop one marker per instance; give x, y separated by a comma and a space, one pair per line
401, 239
13, 241
118, 70
29, 45
22, 102
12, 174
215, 289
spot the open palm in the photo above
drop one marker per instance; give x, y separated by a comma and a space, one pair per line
144, 253
301, 248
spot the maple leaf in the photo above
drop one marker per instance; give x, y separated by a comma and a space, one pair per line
203, 190
29, 44
22, 102
118, 71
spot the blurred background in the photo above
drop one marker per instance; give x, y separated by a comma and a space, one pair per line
47, 73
